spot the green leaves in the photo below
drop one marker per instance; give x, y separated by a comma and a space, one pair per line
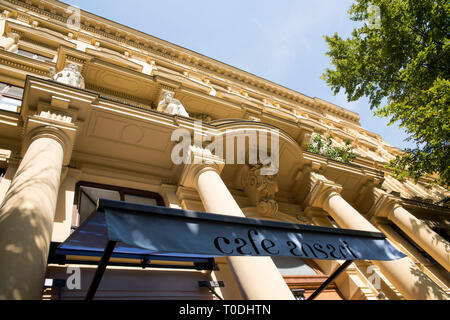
407, 62
324, 147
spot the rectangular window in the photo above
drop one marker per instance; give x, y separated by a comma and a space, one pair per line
87, 195
10, 97
293, 266
33, 55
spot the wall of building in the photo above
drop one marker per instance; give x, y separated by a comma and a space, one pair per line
113, 134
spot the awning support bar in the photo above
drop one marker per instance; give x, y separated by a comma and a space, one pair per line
330, 279
100, 269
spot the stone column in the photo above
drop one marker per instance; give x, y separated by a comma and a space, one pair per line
257, 277
436, 246
27, 213
432, 270
5, 182
403, 273
358, 284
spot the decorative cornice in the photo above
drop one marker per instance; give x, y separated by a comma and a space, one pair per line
26, 64
147, 43
119, 96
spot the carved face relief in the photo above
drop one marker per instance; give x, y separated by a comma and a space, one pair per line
168, 95
170, 105
70, 76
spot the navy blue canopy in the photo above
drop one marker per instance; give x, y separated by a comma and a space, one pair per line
164, 233
91, 238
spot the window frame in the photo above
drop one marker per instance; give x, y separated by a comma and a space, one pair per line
122, 192
10, 96
41, 57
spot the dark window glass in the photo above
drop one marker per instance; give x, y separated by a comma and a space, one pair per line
412, 242
292, 266
87, 195
443, 232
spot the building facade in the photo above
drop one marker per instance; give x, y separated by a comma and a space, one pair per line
88, 108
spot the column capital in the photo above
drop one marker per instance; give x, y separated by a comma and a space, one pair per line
50, 125
321, 190
199, 160
384, 204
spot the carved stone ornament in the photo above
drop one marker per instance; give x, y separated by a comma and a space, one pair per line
170, 105
70, 75
261, 190
202, 116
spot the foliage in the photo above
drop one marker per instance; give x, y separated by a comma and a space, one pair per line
324, 147
402, 66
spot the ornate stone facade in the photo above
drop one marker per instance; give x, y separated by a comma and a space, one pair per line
170, 105
107, 117
70, 76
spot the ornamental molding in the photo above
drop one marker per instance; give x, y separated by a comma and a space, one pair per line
166, 50
70, 76
202, 117
260, 189
30, 32
119, 96
22, 63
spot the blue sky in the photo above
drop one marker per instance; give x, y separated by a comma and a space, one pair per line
281, 41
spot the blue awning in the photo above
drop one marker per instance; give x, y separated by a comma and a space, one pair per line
182, 235
127, 230
91, 238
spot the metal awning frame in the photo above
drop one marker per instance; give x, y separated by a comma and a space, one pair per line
107, 252
110, 248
